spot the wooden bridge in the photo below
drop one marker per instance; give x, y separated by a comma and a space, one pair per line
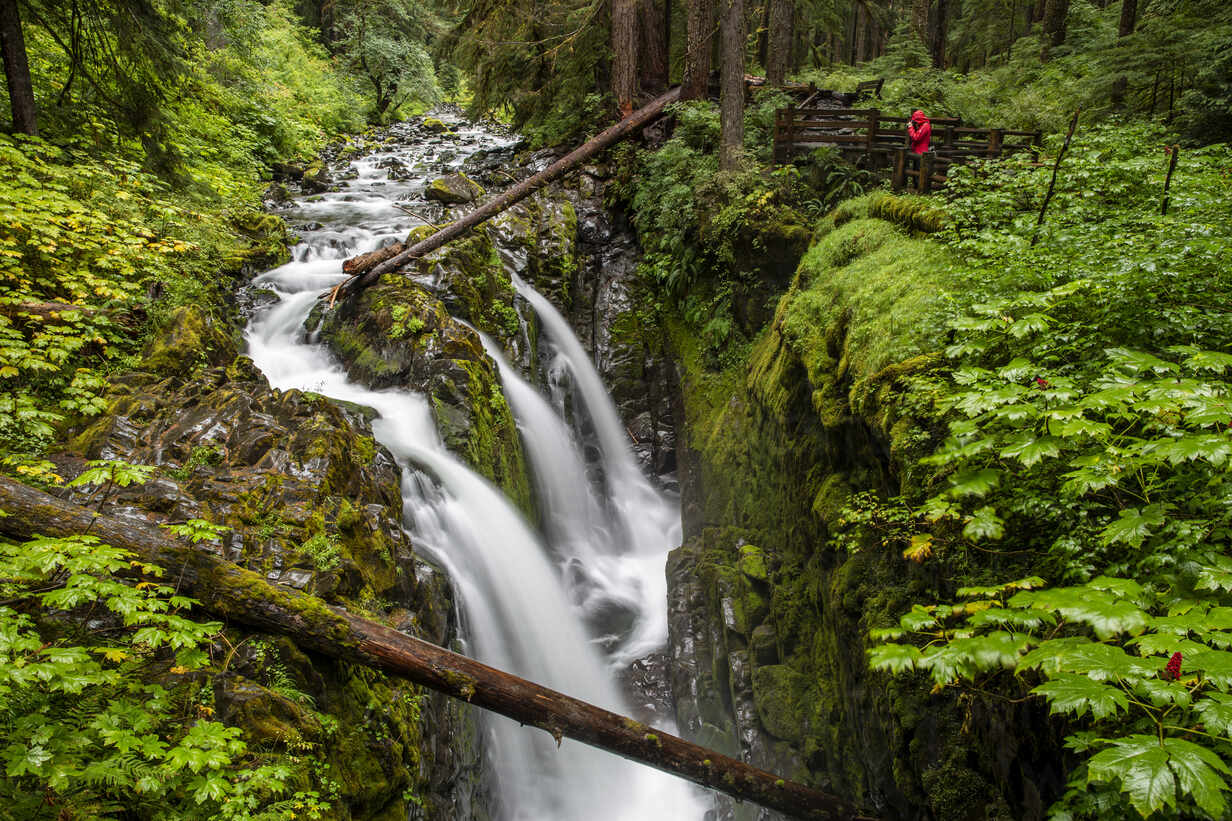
879, 141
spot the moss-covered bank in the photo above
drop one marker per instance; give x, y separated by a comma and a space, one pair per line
776, 448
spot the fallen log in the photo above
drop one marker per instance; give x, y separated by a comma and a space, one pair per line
591, 147
227, 590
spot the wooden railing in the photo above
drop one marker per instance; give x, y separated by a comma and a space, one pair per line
882, 141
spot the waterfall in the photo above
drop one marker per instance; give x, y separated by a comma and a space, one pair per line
525, 601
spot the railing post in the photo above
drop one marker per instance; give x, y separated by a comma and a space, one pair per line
926, 172
1035, 141
790, 152
994, 142
874, 120
949, 136
900, 169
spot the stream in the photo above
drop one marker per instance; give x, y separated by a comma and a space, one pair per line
569, 605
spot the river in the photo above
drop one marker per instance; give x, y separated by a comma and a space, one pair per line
569, 605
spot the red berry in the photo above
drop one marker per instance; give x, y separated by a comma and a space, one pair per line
1173, 670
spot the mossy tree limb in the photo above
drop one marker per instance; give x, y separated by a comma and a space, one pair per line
240, 595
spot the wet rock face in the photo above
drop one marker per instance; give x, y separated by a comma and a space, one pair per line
714, 611
566, 243
309, 500
399, 333
455, 189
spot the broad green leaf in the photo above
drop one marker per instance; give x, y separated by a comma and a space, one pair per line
1103, 612
1161, 693
1216, 666
1140, 764
1095, 660
1213, 361
896, 658
1133, 526
1077, 695
1140, 361
1031, 450
984, 524
1199, 774
1029, 583
918, 619
975, 482
1216, 576
1215, 710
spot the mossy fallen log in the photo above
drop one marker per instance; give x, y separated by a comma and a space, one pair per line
229, 591
364, 272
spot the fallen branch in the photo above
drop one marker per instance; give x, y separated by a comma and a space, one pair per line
1052, 184
591, 147
240, 595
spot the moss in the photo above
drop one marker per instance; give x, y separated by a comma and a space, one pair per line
917, 215
774, 448
753, 563
462, 685
779, 692
189, 339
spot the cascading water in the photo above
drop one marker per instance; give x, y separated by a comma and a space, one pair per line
520, 611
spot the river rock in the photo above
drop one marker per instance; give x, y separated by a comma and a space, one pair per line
453, 189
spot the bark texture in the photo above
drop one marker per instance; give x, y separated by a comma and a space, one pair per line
778, 58
234, 593
731, 91
653, 48
699, 31
1125, 27
17, 69
624, 53
1056, 13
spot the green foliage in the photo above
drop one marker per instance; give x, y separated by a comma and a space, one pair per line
86, 731
536, 61
82, 242
385, 41
1088, 410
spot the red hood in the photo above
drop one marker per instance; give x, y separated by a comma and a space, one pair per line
918, 116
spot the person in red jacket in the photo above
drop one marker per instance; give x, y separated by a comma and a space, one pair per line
918, 131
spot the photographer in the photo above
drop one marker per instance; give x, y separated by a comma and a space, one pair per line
919, 130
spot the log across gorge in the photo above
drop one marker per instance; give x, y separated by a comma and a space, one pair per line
238, 595
368, 268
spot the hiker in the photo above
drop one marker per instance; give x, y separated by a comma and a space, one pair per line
918, 131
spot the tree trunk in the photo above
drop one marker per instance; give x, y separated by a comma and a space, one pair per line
938, 31
763, 33
17, 70
367, 271
860, 30
920, 14
624, 54
731, 88
699, 32
654, 45
1055, 14
1129, 19
235, 594
782, 15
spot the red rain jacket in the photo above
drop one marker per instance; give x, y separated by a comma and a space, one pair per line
918, 131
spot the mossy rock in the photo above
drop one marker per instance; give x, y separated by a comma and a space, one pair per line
190, 338
779, 693
434, 125
454, 189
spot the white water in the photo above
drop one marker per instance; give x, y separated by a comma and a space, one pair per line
521, 613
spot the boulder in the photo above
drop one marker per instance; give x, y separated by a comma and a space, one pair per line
454, 189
